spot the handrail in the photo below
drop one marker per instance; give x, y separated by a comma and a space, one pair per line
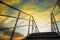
13, 7
55, 6
12, 27
13, 17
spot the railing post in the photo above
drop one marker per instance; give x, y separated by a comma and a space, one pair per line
56, 27
29, 25
52, 23
15, 26
32, 25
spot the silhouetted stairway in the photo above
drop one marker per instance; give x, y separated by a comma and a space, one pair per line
44, 35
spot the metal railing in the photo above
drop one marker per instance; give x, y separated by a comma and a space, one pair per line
34, 25
54, 27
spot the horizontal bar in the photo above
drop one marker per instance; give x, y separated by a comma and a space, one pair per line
13, 17
12, 27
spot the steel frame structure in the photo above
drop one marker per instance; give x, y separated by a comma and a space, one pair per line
54, 27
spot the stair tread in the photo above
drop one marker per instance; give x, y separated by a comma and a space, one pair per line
44, 34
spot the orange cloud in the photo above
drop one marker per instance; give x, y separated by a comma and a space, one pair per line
3, 10
12, 2
2, 18
5, 37
8, 20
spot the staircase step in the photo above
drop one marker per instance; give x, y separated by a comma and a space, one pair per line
44, 34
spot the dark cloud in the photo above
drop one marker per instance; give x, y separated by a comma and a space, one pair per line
9, 32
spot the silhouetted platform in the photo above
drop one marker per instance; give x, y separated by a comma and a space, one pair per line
43, 36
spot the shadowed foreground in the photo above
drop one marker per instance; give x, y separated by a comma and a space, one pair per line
43, 36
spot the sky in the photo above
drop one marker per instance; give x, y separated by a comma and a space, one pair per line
39, 9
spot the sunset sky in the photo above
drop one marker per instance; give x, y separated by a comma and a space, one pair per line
39, 9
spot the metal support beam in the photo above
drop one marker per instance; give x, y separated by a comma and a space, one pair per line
55, 6
56, 27
29, 26
35, 25
52, 27
13, 17
15, 27
32, 26
12, 27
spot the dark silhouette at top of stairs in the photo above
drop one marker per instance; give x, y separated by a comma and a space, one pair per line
43, 35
